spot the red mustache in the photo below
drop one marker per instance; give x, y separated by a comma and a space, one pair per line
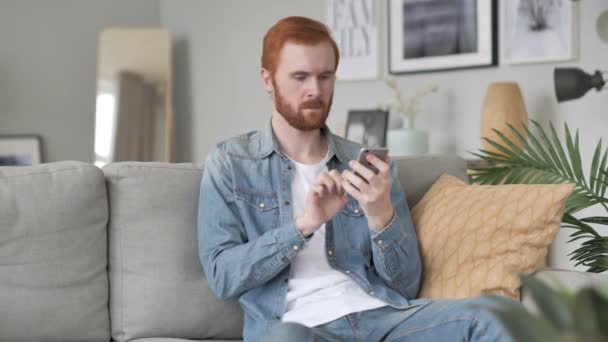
312, 104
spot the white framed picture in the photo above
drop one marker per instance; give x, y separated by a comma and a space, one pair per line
537, 31
433, 35
20, 150
354, 27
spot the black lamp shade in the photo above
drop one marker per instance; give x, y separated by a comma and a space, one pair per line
572, 83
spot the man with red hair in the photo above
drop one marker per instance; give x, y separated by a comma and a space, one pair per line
316, 246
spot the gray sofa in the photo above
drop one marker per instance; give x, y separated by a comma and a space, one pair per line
98, 255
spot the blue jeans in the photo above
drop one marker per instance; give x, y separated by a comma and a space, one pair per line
427, 320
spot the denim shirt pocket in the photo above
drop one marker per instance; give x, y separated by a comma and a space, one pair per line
260, 210
354, 225
352, 208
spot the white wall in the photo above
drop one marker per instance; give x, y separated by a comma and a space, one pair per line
219, 94
48, 58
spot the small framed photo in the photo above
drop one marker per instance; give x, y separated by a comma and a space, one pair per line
20, 150
536, 31
434, 35
367, 127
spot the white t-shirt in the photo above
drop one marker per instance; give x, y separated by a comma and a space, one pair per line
318, 294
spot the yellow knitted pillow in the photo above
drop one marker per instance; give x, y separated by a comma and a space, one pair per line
476, 239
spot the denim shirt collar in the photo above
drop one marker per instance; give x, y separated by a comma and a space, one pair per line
269, 144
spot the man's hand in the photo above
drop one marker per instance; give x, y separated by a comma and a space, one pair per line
324, 200
373, 191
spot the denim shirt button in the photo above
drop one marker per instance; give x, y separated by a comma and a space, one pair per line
286, 202
371, 293
379, 242
347, 272
262, 205
356, 210
296, 248
330, 252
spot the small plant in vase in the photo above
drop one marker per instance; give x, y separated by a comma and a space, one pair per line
406, 107
403, 138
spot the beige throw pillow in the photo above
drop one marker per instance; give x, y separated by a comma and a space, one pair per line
476, 239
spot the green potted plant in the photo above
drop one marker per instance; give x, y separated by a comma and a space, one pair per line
544, 159
561, 315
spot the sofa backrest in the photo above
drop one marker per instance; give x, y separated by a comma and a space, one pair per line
53, 253
53, 242
157, 286
418, 173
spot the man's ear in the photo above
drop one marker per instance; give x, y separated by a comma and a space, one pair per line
267, 79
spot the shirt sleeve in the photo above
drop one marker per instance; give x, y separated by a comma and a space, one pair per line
395, 247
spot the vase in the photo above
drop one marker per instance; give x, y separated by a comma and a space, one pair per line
407, 141
503, 106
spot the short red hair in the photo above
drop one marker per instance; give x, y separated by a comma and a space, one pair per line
299, 30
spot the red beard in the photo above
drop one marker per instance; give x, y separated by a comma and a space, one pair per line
296, 117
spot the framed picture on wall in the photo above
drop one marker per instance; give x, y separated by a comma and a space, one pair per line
20, 150
534, 31
367, 127
433, 35
354, 27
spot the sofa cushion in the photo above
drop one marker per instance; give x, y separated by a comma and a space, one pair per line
157, 284
477, 239
53, 253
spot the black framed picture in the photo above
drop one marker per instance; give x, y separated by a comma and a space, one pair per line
433, 35
367, 127
20, 150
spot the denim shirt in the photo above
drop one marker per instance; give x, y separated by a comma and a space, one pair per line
248, 236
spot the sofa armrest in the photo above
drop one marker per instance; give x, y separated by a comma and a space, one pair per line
571, 280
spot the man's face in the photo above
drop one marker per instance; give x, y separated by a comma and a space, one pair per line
303, 84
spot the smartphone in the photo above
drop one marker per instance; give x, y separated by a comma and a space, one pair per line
380, 152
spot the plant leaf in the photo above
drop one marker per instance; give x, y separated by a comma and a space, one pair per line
604, 177
513, 147
590, 311
575, 156
549, 303
551, 150
538, 159
595, 170
596, 219
507, 152
560, 153
593, 252
550, 160
522, 325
